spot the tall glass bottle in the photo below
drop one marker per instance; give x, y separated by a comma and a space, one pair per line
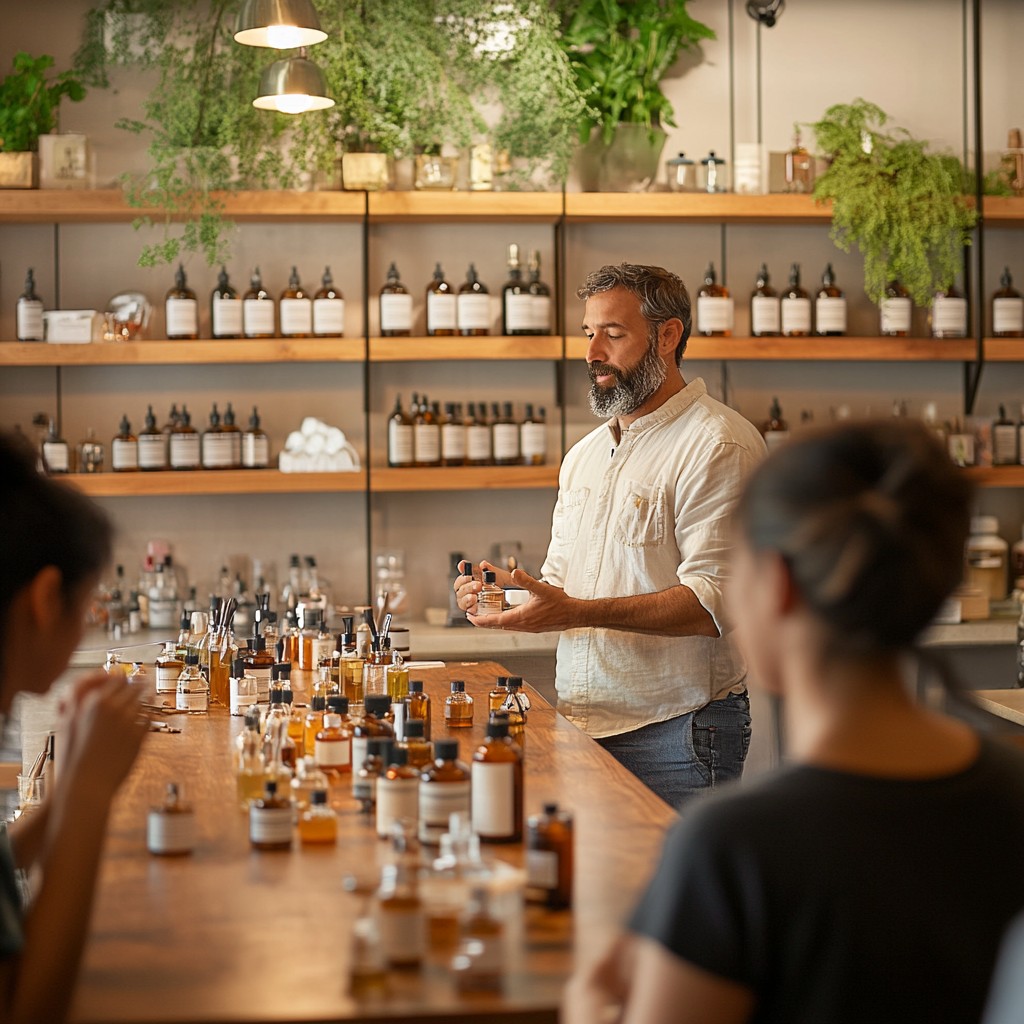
540, 297
328, 309
395, 307
258, 314
473, 306
296, 309
453, 436
505, 437
234, 437
216, 444
764, 307
442, 314
255, 444
152, 445
124, 449
225, 309
181, 310
401, 450
796, 307
497, 786
1007, 309
533, 438
444, 790
714, 307
829, 306
426, 437
516, 301
30, 312
183, 447
478, 436
895, 311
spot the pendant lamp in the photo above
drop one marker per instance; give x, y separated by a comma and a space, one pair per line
293, 86
281, 24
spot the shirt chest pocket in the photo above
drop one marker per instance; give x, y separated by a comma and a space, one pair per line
641, 516
573, 504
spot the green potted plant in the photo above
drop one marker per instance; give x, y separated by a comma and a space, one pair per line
28, 108
620, 52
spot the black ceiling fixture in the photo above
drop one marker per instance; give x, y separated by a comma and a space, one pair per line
766, 12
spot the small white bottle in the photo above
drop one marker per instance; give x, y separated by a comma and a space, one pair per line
30, 311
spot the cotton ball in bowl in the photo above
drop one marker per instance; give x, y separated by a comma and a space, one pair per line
296, 442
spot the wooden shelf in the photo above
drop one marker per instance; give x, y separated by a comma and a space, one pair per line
146, 353
996, 476
432, 349
815, 348
583, 207
395, 207
1004, 350
229, 481
463, 478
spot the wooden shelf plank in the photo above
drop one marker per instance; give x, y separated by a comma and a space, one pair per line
1004, 350
545, 207
1004, 210
815, 348
431, 349
234, 481
463, 478
727, 207
996, 476
254, 350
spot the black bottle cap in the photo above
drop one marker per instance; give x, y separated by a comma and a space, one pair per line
293, 280
270, 787
515, 682
327, 280
489, 576
276, 697
222, 278
183, 623
237, 668
191, 659
318, 703
414, 727
375, 748
229, 416
255, 280
318, 797
293, 560
348, 621
272, 617
179, 277
466, 567
497, 726
398, 755
254, 419
393, 272
285, 670
376, 703
471, 275
458, 686
415, 685
828, 278
150, 418
550, 809
126, 427
287, 696
259, 643
501, 683
337, 704
214, 416
444, 750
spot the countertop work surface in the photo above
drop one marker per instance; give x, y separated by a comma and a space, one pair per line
1008, 704
231, 934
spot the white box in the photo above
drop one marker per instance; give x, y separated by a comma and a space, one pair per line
65, 161
69, 326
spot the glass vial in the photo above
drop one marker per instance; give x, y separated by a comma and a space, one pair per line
328, 309
419, 705
398, 794
442, 315
181, 310
225, 309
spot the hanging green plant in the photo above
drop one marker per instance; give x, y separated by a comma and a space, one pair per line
903, 207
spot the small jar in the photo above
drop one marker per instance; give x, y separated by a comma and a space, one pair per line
90, 454
986, 557
681, 173
713, 175
171, 829
436, 173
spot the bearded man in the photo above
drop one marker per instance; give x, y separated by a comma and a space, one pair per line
640, 548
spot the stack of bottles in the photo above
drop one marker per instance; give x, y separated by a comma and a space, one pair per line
427, 437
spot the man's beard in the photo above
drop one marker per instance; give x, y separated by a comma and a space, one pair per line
632, 387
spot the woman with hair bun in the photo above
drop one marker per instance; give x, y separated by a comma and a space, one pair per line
871, 879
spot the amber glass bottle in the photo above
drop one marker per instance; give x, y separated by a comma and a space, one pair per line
181, 309
258, 312
795, 307
296, 309
458, 707
442, 318
1007, 310
473, 306
395, 307
764, 307
419, 705
714, 307
444, 790
549, 858
497, 791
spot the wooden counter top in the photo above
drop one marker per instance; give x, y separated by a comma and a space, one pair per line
229, 934
1008, 704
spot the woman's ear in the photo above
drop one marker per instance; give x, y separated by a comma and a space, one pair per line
45, 600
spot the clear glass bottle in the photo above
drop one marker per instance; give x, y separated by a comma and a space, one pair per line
491, 599
799, 168
55, 451
473, 306
30, 312
540, 296
496, 698
270, 820
533, 437
764, 307
306, 781
243, 690
152, 445
397, 678
795, 307
183, 445
296, 309
225, 309
258, 310
714, 307
895, 311
375, 672
250, 773
775, 429
397, 793
444, 791
948, 314
497, 786
458, 707
442, 311
169, 667
318, 824
478, 436
163, 600
222, 654
401, 449
181, 310
124, 449
1007, 309
192, 692
426, 434
259, 662
829, 307
419, 705
395, 307
516, 301
505, 437
89, 453
549, 858
328, 309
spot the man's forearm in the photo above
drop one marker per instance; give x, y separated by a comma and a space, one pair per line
673, 612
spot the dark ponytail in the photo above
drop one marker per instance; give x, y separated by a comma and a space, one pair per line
43, 523
871, 519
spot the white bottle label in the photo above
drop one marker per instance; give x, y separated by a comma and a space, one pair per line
533, 440
296, 316
255, 451
270, 824
401, 934
474, 312
506, 441
478, 443
796, 315
764, 314
329, 317
395, 312
1007, 315
1004, 444
217, 451
332, 753
173, 832
714, 313
30, 320
184, 451
949, 316
55, 455
438, 800
262, 682
322, 649
441, 312
227, 317
258, 316
493, 799
427, 442
124, 454
895, 315
241, 702
542, 869
541, 313
830, 311
197, 700
396, 799
167, 679
518, 312
358, 756
182, 317
153, 451
453, 442
400, 448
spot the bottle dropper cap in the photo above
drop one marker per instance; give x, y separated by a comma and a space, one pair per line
318, 797
458, 686
444, 750
414, 727
415, 685
497, 726
237, 668
337, 704
489, 576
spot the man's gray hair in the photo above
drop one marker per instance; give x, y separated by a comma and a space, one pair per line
662, 295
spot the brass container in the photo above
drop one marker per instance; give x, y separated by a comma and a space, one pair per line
19, 170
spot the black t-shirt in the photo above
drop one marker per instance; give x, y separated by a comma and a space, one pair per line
839, 897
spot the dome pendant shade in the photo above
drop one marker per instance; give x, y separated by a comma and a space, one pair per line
281, 24
293, 86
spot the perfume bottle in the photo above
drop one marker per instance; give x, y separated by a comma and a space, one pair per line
799, 168
515, 708
418, 748
328, 309
830, 306
183, 446
491, 598
397, 793
395, 307
171, 828
364, 779
332, 747
318, 824
444, 791
419, 705
296, 310
225, 309
215, 444
1007, 309
497, 696
152, 445
89, 453
250, 774
258, 319
182, 310
478, 436
169, 667
400, 437
322, 648
458, 707
714, 307
234, 437
397, 676
540, 296
243, 690
371, 726
516, 301
124, 450
764, 307
497, 786
796, 307
549, 858
895, 311
306, 781
533, 437
473, 306
259, 663
55, 451
1004, 440
30, 312
442, 315
426, 436
270, 820
192, 691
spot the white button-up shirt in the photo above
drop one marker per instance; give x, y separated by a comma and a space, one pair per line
638, 514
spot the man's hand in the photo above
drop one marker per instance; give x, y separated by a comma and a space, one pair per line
547, 610
467, 587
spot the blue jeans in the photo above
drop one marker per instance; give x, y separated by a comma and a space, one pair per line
690, 754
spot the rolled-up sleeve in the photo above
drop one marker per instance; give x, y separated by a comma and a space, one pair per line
705, 500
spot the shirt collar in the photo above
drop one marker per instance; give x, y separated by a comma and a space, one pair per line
675, 406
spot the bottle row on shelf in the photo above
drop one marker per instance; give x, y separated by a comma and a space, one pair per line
427, 437
790, 314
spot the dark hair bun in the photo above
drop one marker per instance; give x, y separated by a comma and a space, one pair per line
871, 519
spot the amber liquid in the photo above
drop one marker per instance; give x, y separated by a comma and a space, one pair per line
353, 684
496, 698
398, 682
306, 652
458, 714
250, 787
443, 932
318, 828
420, 754
419, 707
313, 724
220, 676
